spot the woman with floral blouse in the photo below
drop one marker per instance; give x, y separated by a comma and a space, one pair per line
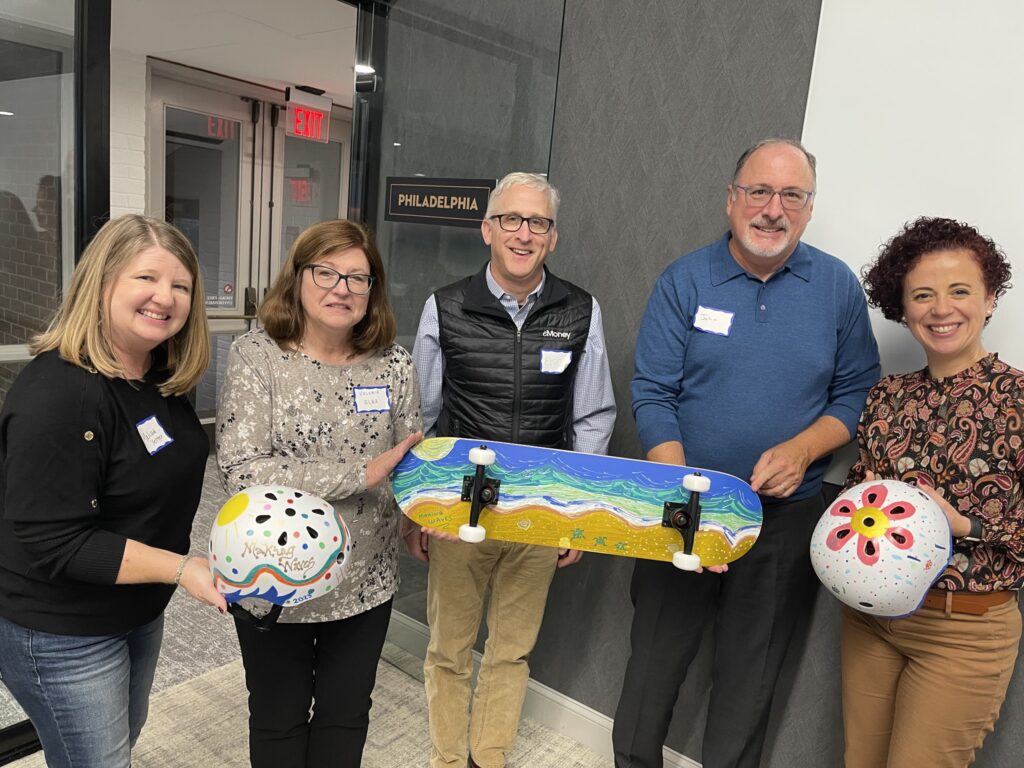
927, 689
321, 398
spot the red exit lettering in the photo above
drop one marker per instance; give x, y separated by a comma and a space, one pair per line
219, 128
308, 123
302, 190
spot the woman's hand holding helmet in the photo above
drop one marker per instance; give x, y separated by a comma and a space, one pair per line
197, 580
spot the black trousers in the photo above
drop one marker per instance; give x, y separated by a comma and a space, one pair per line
756, 605
330, 667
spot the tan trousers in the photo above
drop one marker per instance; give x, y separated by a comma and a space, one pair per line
518, 576
924, 690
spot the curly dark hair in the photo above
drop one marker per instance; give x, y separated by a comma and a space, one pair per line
883, 280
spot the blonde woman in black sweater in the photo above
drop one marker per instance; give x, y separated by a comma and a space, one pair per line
101, 468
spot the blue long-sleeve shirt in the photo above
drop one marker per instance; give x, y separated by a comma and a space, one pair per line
731, 365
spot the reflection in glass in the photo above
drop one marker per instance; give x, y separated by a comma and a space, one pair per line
209, 386
36, 141
201, 186
312, 184
504, 56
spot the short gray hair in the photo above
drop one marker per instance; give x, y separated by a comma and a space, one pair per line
811, 161
531, 180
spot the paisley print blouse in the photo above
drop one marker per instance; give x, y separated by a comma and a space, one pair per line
963, 434
287, 419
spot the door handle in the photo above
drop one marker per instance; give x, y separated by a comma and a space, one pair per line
250, 302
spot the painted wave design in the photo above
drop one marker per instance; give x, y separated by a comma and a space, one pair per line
639, 500
270, 595
279, 575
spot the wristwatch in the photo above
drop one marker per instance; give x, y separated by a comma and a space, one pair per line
975, 533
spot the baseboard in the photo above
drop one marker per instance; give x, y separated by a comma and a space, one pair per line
553, 709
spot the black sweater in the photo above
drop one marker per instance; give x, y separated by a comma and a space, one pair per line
76, 482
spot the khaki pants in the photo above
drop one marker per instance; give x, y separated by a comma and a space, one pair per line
924, 690
518, 576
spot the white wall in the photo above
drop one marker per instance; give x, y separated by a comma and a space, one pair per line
128, 93
915, 108
55, 15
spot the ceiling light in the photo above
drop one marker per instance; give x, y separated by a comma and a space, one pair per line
5, 113
397, 144
364, 69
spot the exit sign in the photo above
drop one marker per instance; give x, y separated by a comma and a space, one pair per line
308, 117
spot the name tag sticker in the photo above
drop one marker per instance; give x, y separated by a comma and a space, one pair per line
372, 399
555, 360
713, 320
153, 435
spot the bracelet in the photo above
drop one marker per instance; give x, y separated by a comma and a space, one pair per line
181, 569
976, 531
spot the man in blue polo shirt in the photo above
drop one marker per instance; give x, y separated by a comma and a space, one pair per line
754, 357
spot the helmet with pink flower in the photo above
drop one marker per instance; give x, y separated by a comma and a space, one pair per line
880, 546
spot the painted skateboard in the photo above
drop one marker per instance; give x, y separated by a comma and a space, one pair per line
615, 506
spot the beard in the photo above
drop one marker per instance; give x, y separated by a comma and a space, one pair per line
765, 250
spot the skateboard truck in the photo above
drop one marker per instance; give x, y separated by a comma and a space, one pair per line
685, 518
480, 491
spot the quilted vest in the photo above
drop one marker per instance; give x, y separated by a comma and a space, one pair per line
504, 384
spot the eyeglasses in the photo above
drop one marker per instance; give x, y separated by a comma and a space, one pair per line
759, 196
325, 277
511, 222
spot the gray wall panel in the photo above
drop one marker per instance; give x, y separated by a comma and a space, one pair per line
652, 110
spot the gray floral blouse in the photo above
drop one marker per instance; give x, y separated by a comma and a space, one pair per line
286, 419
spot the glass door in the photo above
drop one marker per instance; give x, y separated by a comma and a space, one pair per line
315, 183
221, 170
205, 176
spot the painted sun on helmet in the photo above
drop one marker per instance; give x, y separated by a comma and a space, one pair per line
277, 544
880, 547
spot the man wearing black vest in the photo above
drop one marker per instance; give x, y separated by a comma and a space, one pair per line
512, 354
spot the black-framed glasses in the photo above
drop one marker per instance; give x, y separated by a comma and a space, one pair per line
759, 195
325, 277
511, 222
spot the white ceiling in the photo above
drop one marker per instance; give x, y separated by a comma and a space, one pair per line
271, 42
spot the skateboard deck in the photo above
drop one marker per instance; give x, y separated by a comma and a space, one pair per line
583, 501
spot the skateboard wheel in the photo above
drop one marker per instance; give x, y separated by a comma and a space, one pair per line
474, 534
697, 483
481, 456
685, 562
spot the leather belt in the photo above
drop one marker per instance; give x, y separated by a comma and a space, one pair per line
974, 603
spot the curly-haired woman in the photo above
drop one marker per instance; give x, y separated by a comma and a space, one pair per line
927, 689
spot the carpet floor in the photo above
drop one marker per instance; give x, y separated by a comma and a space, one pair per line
202, 722
198, 711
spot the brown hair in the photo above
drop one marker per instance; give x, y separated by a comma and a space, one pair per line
883, 279
78, 331
281, 310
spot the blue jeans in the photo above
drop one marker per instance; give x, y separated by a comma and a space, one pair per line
87, 697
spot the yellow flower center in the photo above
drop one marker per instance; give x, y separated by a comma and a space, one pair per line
870, 522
